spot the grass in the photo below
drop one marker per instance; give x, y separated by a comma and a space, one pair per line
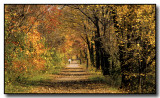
91, 69
98, 78
108, 81
27, 84
40, 77
111, 80
17, 88
56, 69
112, 88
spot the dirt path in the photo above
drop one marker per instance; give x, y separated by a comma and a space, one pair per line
72, 72
73, 79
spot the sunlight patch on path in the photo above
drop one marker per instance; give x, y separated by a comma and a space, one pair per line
73, 72
73, 79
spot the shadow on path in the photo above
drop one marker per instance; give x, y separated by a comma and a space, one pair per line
67, 84
72, 79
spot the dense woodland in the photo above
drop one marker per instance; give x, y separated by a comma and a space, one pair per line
118, 40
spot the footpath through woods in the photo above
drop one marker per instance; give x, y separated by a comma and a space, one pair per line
73, 79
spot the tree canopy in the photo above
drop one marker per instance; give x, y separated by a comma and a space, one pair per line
118, 40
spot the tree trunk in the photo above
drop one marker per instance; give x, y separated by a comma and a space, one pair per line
97, 45
124, 81
104, 62
87, 64
92, 55
90, 48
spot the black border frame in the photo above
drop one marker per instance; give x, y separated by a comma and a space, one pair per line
90, 94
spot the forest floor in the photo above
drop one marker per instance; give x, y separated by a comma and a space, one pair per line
72, 79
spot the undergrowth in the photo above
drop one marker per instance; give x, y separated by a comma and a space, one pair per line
26, 83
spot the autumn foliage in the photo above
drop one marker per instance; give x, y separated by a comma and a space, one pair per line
117, 40
26, 48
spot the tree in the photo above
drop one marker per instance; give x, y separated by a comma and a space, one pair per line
129, 23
